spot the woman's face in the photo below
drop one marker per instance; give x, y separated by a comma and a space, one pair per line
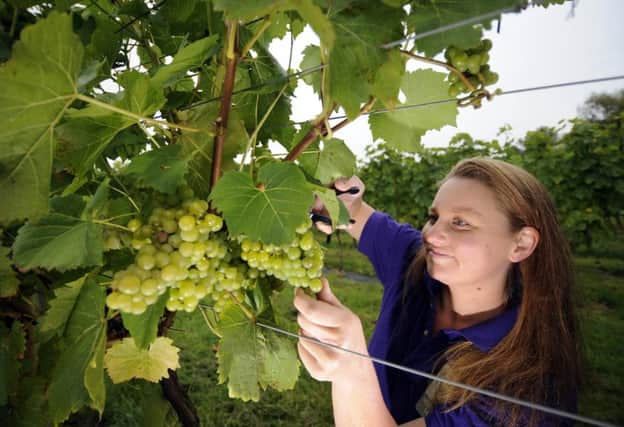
468, 238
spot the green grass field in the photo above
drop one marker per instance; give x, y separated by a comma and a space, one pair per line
601, 311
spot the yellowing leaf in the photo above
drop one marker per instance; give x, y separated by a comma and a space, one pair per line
124, 360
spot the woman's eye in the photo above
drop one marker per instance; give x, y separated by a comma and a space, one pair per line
460, 222
432, 218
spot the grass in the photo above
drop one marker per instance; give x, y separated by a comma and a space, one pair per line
601, 312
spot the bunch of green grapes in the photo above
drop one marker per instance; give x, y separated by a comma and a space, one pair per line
186, 250
473, 64
299, 263
180, 249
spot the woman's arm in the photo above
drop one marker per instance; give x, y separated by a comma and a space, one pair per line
356, 395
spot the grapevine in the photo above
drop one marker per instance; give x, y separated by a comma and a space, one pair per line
124, 199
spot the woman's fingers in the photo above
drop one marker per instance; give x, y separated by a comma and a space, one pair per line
319, 312
323, 333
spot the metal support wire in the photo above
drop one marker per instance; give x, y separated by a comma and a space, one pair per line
507, 92
492, 394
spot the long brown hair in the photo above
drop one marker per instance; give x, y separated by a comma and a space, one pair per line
539, 360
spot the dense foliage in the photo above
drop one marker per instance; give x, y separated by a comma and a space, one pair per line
132, 190
581, 164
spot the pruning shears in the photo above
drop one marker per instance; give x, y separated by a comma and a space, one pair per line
315, 217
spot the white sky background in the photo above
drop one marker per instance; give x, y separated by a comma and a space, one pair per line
536, 47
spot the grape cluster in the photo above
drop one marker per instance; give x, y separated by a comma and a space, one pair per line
186, 250
299, 263
473, 64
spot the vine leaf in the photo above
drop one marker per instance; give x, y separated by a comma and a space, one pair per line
85, 135
78, 376
251, 359
307, 9
124, 360
335, 160
424, 17
357, 54
268, 211
144, 327
61, 308
403, 129
38, 85
141, 94
189, 57
8, 279
12, 348
59, 242
161, 168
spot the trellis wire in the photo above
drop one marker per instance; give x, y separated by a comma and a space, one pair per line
520, 402
507, 92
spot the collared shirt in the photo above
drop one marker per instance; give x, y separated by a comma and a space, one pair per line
404, 329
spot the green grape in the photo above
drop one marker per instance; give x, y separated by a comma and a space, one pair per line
293, 253
129, 284
169, 225
306, 241
146, 261
149, 287
169, 273
453, 77
474, 64
460, 61
186, 223
189, 235
134, 224
162, 258
451, 53
151, 299
485, 58
486, 44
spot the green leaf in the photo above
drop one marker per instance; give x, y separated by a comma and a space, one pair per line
388, 79
58, 242
12, 348
30, 410
269, 211
38, 85
78, 377
330, 201
402, 129
251, 359
357, 53
8, 279
191, 56
99, 201
144, 327
312, 58
425, 16
335, 161
247, 10
61, 308
198, 146
84, 136
141, 95
161, 168
124, 360
317, 19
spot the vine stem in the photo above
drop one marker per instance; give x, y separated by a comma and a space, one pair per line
13, 22
137, 117
441, 64
248, 313
319, 128
226, 101
109, 224
254, 135
266, 24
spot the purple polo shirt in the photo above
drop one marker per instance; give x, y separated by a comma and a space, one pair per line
403, 333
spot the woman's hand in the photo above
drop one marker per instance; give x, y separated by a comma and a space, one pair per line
327, 320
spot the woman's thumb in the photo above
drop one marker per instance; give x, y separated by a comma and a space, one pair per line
326, 294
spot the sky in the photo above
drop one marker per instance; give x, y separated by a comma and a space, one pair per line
575, 41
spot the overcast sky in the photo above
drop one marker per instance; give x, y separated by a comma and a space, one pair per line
536, 47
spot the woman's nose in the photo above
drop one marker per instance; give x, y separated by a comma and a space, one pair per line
435, 233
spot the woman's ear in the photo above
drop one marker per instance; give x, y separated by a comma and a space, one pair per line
525, 242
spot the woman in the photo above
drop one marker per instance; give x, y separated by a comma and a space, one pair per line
486, 301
